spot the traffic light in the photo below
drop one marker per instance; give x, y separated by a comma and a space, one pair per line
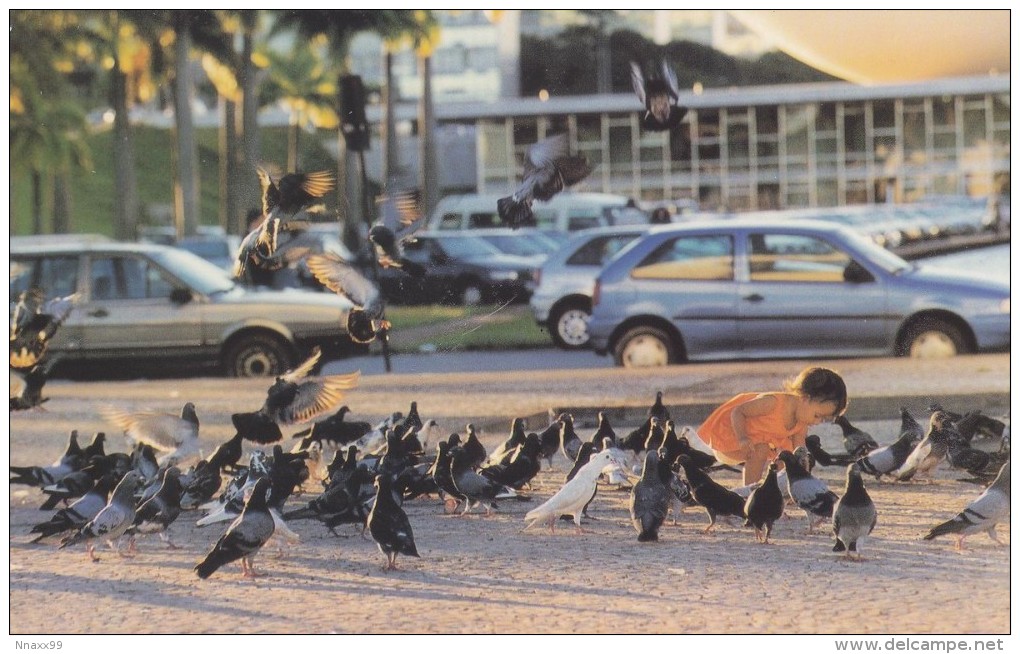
353, 122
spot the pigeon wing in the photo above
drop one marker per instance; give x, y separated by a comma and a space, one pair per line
159, 430
543, 155
315, 397
637, 80
669, 76
270, 193
302, 371
342, 278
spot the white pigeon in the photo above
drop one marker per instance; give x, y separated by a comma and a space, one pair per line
692, 437
176, 436
112, 521
991, 507
574, 494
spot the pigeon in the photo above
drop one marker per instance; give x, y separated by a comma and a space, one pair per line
650, 498
909, 425
26, 388
548, 169
389, 526
809, 492
112, 521
885, 460
401, 215
714, 497
856, 442
635, 440
176, 436
478, 489
336, 429
506, 450
442, 475
72, 459
813, 443
930, 451
227, 454
522, 467
575, 494
200, 484
244, 537
854, 515
76, 483
365, 320
474, 450
97, 447
603, 431
550, 439
982, 514
656, 435
570, 442
294, 398
659, 410
155, 515
660, 96
78, 513
764, 505
33, 325
333, 507
584, 454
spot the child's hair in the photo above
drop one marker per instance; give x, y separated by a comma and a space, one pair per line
821, 385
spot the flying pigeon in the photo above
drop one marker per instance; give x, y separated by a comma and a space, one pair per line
401, 215
764, 505
809, 492
982, 514
245, 536
112, 521
294, 398
854, 515
856, 442
33, 325
548, 169
575, 494
176, 436
660, 96
365, 320
26, 387
389, 526
650, 498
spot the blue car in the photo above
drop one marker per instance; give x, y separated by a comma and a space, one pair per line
746, 288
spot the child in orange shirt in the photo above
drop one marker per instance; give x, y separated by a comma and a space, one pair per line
746, 428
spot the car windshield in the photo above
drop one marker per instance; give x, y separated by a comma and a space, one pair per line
207, 249
878, 255
196, 272
468, 247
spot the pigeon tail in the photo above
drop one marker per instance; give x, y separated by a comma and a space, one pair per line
257, 427
515, 213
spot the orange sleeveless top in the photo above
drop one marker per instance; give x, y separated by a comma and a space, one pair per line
717, 430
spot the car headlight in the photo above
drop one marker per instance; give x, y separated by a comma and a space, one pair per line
504, 275
1004, 306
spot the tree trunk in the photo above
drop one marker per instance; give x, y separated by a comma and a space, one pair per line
247, 183
391, 164
292, 144
430, 182
126, 209
186, 186
37, 208
228, 166
61, 203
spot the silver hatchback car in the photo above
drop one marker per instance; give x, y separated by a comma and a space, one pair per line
145, 303
738, 289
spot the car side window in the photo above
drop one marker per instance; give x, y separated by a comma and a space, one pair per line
58, 276
127, 278
794, 258
705, 258
598, 250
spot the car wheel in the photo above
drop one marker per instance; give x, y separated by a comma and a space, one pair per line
644, 347
568, 326
471, 294
257, 355
933, 339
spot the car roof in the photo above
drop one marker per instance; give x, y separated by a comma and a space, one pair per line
73, 246
749, 221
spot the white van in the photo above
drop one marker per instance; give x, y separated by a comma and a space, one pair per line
566, 212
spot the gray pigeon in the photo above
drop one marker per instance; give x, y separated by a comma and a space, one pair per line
854, 515
931, 451
650, 498
245, 536
365, 320
809, 492
548, 169
991, 507
176, 436
156, 514
856, 441
81, 511
112, 521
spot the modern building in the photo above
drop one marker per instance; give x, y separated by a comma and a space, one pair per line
751, 148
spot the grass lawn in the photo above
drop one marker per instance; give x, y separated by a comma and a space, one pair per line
464, 328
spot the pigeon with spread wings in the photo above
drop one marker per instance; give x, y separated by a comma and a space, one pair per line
400, 216
294, 398
33, 324
661, 97
365, 320
548, 169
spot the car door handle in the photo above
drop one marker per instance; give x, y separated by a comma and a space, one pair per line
754, 297
99, 313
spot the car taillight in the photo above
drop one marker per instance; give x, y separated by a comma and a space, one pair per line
596, 293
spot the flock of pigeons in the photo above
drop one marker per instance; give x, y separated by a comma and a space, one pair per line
375, 469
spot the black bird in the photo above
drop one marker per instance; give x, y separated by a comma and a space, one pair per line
522, 467
389, 526
75, 484
97, 447
570, 442
336, 429
603, 431
476, 488
656, 434
30, 385
659, 410
364, 320
475, 453
413, 419
244, 537
80, 512
584, 454
200, 484
294, 398
809, 492
550, 439
155, 515
548, 169
764, 505
333, 507
34, 322
960, 454
650, 497
854, 515
440, 472
856, 442
401, 215
717, 499
635, 440
886, 460
660, 96
227, 454
813, 443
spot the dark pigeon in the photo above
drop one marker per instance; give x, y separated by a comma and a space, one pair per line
813, 443
714, 497
401, 215
661, 97
764, 505
245, 536
389, 526
155, 515
854, 515
856, 442
650, 498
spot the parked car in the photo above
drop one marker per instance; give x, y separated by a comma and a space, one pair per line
780, 288
562, 299
462, 269
565, 212
145, 303
529, 243
217, 249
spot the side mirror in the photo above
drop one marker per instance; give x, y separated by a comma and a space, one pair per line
855, 273
181, 295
